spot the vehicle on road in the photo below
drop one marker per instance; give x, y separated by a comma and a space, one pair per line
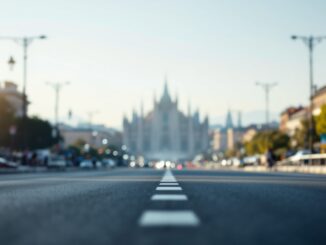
57, 162
4, 163
295, 159
108, 162
88, 163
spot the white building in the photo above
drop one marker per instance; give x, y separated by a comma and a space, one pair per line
166, 133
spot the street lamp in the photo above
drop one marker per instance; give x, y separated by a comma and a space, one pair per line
311, 42
24, 42
267, 87
57, 89
11, 63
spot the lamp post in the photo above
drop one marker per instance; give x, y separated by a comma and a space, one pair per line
57, 89
310, 42
267, 88
24, 42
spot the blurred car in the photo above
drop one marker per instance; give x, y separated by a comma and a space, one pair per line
251, 160
57, 162
295, 159
87, 163
4, 163
107, 162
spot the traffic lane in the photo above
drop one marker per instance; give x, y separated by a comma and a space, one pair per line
240, 173
83, 212
257, 211
40, 180
217, 176
79, 173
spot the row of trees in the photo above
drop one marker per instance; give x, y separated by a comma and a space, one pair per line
280, 142
38, 132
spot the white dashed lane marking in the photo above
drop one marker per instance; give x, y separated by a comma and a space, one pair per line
169, 184
178, 218
169, 197
168, 177
168, 188
169, 218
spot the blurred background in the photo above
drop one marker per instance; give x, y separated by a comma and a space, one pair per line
81, 80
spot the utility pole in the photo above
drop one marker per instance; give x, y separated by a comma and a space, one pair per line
90, 118
24, 42
310, 42
57, 89
267, 88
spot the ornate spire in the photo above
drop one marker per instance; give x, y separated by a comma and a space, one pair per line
229, 122
166, 87
166, 95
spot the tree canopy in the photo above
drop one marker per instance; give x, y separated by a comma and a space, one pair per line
321, 121
271, 139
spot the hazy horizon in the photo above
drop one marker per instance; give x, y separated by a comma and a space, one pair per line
116, 54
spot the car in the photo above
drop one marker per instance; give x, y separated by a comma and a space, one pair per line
4, 163
87, 163
110, 163
57, 162
295, 159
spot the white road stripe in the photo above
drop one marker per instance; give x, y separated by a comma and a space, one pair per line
167, 183
168, 176
169, 197
168, 218
168, 188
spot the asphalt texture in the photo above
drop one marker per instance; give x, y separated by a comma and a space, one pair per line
104, 207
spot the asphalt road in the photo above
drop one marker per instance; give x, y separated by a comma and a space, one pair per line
124, 206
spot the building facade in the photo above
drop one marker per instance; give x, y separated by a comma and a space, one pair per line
96, 136
291, 119
13, 96
166, 133
318, 100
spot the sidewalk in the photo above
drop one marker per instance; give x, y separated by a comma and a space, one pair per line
320, 169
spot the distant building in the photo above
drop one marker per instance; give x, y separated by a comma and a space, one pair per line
249, 133
93, 136
166, 133
13, 96
291, 119
318, 100
231, 137
226, 138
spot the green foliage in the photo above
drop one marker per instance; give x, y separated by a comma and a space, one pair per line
38, 134
321, 121
300, 138
272, 139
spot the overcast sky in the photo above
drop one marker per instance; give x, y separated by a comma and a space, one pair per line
116, 53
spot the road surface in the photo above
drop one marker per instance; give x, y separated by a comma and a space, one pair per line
147, 206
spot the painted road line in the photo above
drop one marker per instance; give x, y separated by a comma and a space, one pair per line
169, 197
167, 183
168, 188
168, 179
168, 176
152, 218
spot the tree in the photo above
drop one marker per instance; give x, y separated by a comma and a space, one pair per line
6, 121
38, 134
321, 121
272, 139
301, 135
